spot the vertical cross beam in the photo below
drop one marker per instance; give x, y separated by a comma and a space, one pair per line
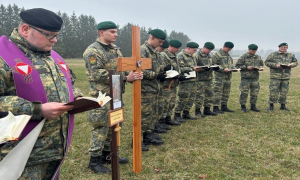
131, 64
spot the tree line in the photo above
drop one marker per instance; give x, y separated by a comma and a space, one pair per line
78, 32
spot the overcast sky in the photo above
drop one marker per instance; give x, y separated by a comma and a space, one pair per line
266, 23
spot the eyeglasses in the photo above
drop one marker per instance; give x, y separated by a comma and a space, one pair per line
48, 36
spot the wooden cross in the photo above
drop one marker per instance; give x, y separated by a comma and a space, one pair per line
136, 64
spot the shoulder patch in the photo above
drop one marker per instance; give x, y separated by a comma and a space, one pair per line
92, 60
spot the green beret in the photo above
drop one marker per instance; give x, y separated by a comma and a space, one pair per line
106, 25
209, 45
165, 44
229, 44
192, 45
42, 18
253, 47
283, 44
158, 33
175, 43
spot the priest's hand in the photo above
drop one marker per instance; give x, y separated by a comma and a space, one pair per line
249, 67
52, 110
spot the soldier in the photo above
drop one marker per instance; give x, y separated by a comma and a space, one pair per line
222, 83
280, 64
34, 80
100, 57
204, 81
150, 88
160, 126
187, 87
164, 46
169, 87
250, 64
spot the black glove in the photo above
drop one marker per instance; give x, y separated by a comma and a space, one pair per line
161, 77
187, 71
181, 78
207, 69
169, 67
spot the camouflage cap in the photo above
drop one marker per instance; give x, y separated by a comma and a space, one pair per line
253, 46
175, 43
106, 25
209, 45
165, 44
229, 44
158, 33
192, 45
283, 44
42, 18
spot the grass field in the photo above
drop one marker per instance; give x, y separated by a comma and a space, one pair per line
230, 146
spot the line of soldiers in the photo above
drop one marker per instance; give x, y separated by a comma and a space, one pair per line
162, 94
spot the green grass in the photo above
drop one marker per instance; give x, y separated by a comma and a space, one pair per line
229, 146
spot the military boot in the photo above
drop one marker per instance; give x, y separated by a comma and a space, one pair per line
217, 110
243, 108
253, 108
283, 107
224, 108
271, 108
198, 113
149, 140
175, 122
144, 146
159, 129
186, 115
163, 124
96, 165
207, 112
105, 158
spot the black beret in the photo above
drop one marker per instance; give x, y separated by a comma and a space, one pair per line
283, 44
192, 45
229, 44
158, 33
253, 46
175, 43
209, 45
165, 44
106, 25
42, 18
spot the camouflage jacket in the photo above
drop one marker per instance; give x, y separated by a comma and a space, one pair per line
276, 58
249, 60
51, 143
149, 83
169, 58
186, 63
203, 59
99, 59
224, 60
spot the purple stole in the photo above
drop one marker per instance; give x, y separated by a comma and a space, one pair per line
29, 85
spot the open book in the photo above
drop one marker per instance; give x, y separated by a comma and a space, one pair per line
88, 103
258, 68
202, 67
171, 73
191, 74
12, 126
284, 65
235, 70
215, 67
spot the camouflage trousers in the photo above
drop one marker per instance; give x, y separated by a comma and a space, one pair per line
44, 171
245, 86
149, 111
222, 91
204, 94
278, 88
161, 100
186, 96
101, 133
169, 101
